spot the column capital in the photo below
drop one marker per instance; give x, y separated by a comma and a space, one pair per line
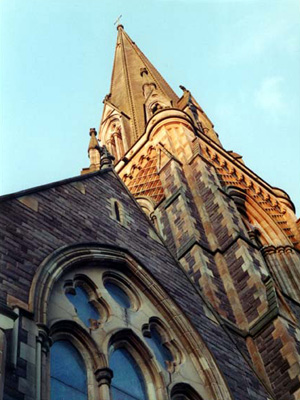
43, 337
104, 376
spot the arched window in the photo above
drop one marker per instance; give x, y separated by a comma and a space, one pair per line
156, 107
114, 360
117, 294
68, 372
154, 340
86, 311
183, 391
128, 382
117, 211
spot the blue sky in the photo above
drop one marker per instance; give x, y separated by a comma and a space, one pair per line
240, 59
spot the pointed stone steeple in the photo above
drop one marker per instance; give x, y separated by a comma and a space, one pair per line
133, 78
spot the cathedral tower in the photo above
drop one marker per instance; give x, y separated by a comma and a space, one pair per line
236, 236
167, 271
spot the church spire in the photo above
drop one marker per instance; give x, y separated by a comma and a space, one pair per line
131, 71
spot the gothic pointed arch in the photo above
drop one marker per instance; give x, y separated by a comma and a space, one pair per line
147, 204
112, 131
75, 334
272, 239
183, 391
127, 340
76, 257
270, 233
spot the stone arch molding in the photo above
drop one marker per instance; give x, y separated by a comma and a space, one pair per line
270, 232
68, 257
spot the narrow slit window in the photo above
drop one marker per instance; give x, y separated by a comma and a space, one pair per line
117, 211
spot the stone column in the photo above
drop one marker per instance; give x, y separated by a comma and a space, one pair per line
43, 343
7, 319
103, 378
2, 361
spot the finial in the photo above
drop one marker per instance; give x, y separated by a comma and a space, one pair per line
117, 22
93, 141
106, 98
106, 160
182, 88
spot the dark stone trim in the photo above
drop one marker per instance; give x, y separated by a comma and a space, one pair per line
172, 198
7, 311
193, 241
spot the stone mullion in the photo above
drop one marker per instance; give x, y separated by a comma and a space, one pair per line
103, 377
43, 343
117, 140
3, 346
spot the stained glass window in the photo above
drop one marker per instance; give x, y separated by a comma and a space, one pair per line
85, 310
117, 294
161, 352
68, 373
128, 382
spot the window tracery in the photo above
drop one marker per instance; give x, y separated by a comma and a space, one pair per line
113, 137
166, 351
81, 292
86, 311
162, 353
159, 355
121, 290
137, 353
